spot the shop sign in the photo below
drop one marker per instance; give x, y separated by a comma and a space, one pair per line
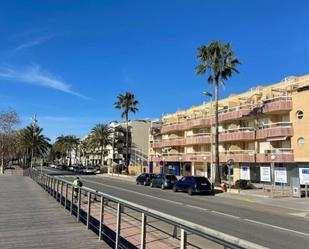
280, 175
244, 172
304, 176
265, 174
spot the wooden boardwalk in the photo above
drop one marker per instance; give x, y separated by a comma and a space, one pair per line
30, 218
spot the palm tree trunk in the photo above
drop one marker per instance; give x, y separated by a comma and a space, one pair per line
218, 176
127, 145
2, 162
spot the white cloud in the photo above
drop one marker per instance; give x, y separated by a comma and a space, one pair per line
32, 43
36, 76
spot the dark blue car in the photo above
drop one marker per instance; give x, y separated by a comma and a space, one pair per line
163, 181
194, 185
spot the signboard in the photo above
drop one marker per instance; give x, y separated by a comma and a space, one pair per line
244, 172
280, 175
304, 176
265, 174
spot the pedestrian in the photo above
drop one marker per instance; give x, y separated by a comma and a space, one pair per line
77, 183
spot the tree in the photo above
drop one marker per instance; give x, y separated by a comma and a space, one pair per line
33, 142
219, 61
99, 138
8, 121
64, 145
128, 104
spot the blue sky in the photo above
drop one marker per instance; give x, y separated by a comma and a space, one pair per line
68, 60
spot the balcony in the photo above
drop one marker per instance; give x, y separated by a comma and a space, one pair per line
280, 129
233, 114
203, 121
282, 155
201, 138
238, 156
182, 157
168, 143
237, 134
277, 105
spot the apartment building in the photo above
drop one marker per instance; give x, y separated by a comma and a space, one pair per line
263, 126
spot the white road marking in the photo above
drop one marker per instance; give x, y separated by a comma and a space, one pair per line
229, 215
196, 207
277, 227
301, 214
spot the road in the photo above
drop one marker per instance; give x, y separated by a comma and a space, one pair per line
264, 224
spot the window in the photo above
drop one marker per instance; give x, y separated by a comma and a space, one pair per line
301, 142
299, 114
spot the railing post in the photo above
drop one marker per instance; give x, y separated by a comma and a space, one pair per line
88, 209
57, 193
78, 204
61, 192
72, 199
117, 241
143, 231
66, 196
183, 239
101, 217
54, 180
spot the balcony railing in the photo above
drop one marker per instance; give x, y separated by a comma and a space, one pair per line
238, 156
277, 104
279, 129
237, 134
282, 155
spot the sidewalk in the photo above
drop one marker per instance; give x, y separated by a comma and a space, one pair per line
29, 218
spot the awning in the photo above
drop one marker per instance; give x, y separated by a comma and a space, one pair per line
276, 139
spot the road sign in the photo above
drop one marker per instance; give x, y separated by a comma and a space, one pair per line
161, 163
230, 162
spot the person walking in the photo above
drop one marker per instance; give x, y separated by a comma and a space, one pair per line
77, 183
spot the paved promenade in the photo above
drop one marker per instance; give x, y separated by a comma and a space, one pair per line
29, 218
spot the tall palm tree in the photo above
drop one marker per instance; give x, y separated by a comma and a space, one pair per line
128, 104
100, 137
219, 61
33, 142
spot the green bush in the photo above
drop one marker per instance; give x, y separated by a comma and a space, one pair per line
243, 184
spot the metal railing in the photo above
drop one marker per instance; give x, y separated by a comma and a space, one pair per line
63, 191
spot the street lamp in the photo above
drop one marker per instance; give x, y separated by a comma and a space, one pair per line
212, 171
273, 158
205, 169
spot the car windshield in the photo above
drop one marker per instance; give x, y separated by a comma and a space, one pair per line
201, 180
170, 177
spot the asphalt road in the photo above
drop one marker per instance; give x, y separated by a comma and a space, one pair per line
267, 225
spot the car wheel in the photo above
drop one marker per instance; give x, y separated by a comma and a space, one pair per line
175, 189
162, 186
190, 192
137, 183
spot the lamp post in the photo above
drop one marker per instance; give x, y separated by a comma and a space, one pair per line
272, 166
34, 121
205, 167
212, 171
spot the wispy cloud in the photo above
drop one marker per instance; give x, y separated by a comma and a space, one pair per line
34, 42
36, 76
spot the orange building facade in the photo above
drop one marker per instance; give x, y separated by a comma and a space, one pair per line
268, 124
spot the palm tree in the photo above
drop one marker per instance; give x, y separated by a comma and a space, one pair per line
100, 137
66, 144
33, 142
127, 103
219, 61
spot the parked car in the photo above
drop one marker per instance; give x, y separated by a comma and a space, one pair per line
97, 169
145, 178
194, 185
163, 181
78, 169
89, 171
